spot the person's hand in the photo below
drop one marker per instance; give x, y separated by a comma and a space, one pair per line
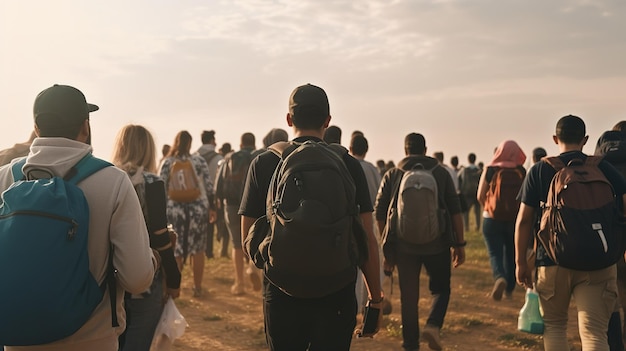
359, 331
212, 216
157, 256
388, 267
524, 275
173, 293
458, 256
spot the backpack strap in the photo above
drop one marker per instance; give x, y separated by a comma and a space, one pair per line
87, 166
554, 162
16, 169
279, 148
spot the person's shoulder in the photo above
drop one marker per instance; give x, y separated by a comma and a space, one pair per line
151, 177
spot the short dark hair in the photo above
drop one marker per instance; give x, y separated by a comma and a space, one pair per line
415, 144
539, 153
471, 157
570, 129
359, 145
332, 134
308, 107
248, 139
438, 155
208, 136
454, 160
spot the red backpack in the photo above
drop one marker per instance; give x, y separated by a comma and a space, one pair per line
501, 202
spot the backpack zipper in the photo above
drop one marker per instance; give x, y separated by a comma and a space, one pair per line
70, 233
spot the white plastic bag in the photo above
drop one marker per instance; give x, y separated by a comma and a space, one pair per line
171, 326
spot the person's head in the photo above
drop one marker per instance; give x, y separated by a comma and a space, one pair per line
389, 165
275, 135
166, 149
225, 149
357, 132
332, 134
620, 127
481, 165
134, 146
414, 144
508, 154
62, 111
454, 161
471, 158
438, 155
538, 154
208, 137
358, 146
247, 141
380, 164
570, 130
308, 109
181, 145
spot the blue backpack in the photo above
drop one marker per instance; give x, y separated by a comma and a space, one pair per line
47, 291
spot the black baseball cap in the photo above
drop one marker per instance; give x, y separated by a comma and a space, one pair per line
309, 101
61, 106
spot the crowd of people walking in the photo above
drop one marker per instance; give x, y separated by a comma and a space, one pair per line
314, 227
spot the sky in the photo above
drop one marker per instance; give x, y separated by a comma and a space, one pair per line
467, 74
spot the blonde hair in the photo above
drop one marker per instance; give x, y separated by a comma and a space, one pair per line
134, 147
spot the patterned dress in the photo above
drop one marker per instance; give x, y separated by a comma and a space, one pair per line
190, 219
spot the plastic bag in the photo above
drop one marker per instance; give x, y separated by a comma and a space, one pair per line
171, 326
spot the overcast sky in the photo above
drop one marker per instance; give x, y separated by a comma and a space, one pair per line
466, 74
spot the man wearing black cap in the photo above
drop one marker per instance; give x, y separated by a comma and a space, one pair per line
61, 116
326, 323
595, 291
435, 255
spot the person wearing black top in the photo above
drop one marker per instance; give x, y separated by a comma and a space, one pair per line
325, 323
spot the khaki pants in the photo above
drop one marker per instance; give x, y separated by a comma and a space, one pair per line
595, 294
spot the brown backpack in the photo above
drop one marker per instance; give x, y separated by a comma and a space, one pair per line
580, 225
183, 184
501, 202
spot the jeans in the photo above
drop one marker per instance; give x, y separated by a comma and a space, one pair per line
595, 293
500, 241
409, 267
142, 317
322, 324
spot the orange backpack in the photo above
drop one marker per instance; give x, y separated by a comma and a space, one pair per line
501, 202
183, 184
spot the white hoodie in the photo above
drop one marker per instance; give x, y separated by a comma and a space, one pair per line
115, 219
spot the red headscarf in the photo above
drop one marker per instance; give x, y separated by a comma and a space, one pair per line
508, 155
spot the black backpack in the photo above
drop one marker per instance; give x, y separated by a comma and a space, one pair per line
612, 145
234, 175
470, 180
314, 238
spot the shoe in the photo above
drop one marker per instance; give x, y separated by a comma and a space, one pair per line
237, 289
197, 292
254, 278
498, 289
430, 334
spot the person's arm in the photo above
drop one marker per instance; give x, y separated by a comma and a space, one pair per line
481, 195
458, 251
523, 233
371, 269
246, 223
132, 256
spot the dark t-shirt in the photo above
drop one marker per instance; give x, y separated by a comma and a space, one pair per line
254, 200
535, 187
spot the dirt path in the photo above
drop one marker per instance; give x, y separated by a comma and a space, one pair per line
221, 321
